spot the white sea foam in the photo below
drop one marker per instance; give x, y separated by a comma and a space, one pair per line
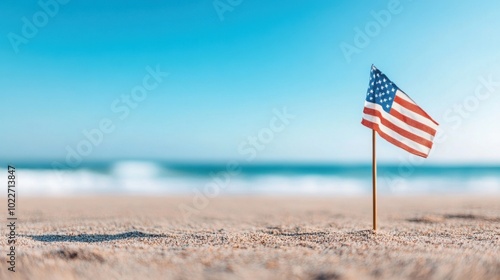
135, 169
297, 185
148, 178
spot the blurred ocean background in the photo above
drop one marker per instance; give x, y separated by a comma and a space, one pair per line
166, 178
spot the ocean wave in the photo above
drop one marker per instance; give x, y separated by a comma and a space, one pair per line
150, 178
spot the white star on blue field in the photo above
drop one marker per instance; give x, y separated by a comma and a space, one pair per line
381, 90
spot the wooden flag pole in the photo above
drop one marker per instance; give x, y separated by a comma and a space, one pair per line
374, 179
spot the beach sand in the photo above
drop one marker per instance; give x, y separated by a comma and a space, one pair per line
108, 237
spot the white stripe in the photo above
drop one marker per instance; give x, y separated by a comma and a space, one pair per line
396, 136
414, 116
405, 97
399, 123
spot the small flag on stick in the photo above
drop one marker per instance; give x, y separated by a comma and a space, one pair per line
398, 119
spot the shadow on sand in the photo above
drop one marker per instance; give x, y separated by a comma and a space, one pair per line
90, 238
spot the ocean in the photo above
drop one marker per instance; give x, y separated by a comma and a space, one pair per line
164, 178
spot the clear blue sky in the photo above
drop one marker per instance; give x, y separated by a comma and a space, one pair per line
226, 77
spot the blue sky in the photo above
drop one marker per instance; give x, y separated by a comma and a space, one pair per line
227, 76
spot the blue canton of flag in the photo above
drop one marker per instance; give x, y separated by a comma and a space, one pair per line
381, 90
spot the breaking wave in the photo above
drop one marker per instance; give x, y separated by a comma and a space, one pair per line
153, 178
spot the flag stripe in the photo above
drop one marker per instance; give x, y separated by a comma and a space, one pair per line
395, 128
392, 140
412, 115
400, 123
413, 122
382, 128
411, 106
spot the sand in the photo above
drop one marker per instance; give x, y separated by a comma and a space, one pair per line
441, 237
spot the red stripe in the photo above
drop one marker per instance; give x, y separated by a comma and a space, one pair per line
391, 140
413, 107
413, 122
397, 129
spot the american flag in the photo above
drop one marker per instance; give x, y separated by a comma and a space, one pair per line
396, 117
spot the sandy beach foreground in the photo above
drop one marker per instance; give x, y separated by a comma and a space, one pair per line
256, 238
